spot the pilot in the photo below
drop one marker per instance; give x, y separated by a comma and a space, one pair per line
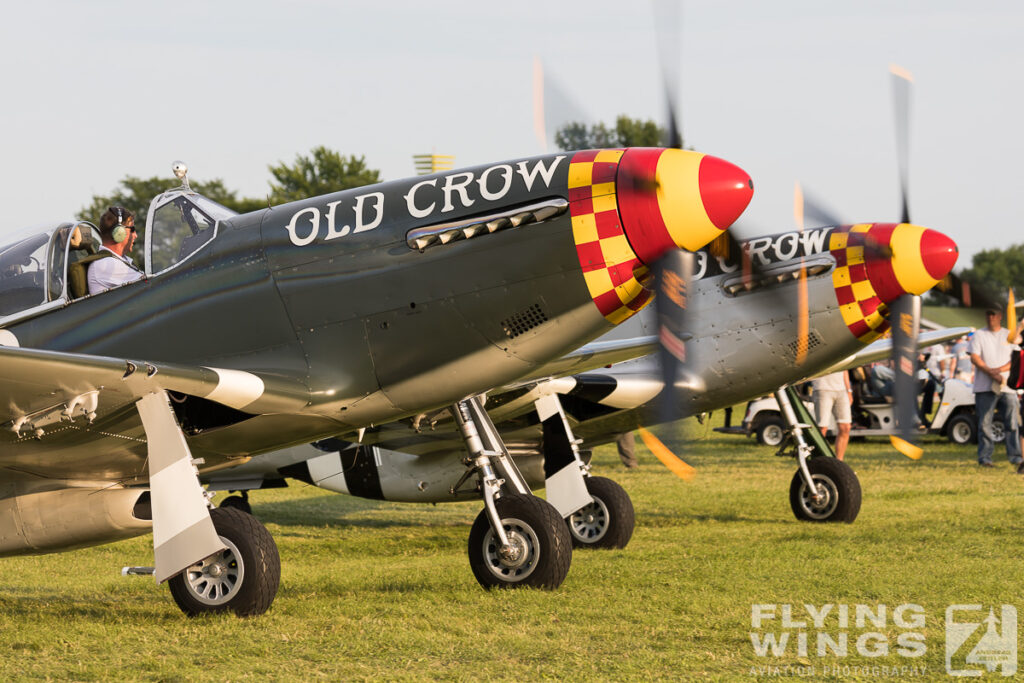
117, 229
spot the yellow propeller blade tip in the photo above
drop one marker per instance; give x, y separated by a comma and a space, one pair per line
906, 448
1011, 317
673, 462
899, 71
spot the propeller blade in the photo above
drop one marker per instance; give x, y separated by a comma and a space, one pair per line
901, 80
817, 213
669, 459
907, 448
906, 317
962, 291
669, 40
553, 107
539, 128
1011, 317
803, 315
672, 274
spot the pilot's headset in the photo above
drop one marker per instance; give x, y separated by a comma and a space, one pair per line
120, 233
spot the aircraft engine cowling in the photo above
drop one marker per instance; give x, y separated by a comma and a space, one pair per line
51, 521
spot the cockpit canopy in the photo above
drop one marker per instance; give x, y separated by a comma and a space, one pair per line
45, 266
34, 267
179, 223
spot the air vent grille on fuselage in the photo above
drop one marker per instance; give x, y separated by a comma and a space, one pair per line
814, 340
524, 321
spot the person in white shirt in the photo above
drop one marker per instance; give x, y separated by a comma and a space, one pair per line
990, 353
117, 230
963, 369
832, 396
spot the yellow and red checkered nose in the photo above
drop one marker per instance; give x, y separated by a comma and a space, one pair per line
672, 198
623, 219
876, 263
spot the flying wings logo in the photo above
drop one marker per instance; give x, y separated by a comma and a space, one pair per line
436, 195
977, 643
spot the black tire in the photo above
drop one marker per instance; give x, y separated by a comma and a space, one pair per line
963, 429
771, 430
250, 570
840, 487
237, 502
608, 521
533, 526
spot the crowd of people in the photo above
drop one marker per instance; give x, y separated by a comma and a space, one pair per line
982, 359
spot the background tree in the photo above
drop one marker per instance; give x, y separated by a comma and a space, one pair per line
995, 270
627, 132
323, 171
991, 274
136, 193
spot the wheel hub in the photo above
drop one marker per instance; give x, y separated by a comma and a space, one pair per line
518, 559
215, 580
821, 497
590, 523
823, 502
513, 554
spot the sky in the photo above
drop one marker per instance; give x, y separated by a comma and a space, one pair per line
790, 90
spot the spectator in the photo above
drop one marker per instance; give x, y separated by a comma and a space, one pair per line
990, 354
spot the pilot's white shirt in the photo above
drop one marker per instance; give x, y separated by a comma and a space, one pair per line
110, 272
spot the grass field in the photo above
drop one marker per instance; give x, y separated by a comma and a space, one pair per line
383, 591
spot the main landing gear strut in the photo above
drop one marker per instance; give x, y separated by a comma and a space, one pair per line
518, 539
824, 489
214, 560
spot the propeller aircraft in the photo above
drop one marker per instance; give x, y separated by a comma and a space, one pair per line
734, 321
741, 342
317, 319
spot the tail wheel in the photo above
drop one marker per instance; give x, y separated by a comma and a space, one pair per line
541, 548
242, 578
608, 521
838, 495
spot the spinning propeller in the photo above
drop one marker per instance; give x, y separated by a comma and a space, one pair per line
902, 261
905, 318
644, 179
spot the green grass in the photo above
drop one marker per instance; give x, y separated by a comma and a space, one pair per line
951, 316
383, 591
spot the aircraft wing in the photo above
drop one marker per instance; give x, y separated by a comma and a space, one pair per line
882, 349
61, 408
591, 356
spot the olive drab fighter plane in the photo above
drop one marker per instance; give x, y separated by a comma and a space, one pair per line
315, 319
741, 342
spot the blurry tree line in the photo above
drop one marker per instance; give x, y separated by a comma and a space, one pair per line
626, 132
324, 170
320, 172
991, 274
